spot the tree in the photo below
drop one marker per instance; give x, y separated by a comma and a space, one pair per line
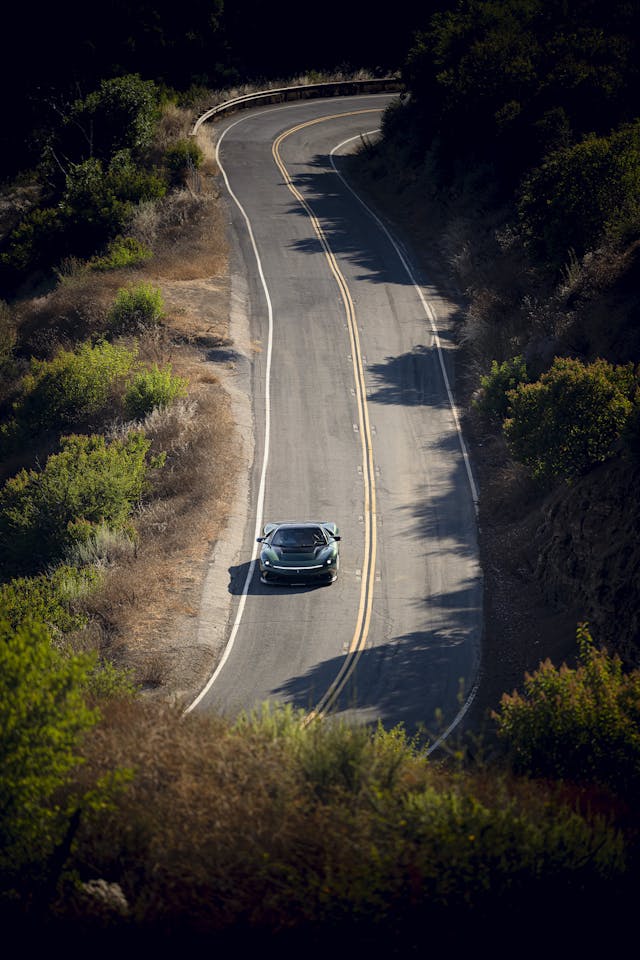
582, 194
570, 418
122, 114
43, 715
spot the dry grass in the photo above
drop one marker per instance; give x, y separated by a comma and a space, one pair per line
146, 611
149, 604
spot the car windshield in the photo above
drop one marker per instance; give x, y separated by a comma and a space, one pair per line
298, 537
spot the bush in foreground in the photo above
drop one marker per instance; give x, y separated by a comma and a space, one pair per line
43, 716
273, 827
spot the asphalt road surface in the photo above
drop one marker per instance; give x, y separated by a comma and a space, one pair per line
350, 386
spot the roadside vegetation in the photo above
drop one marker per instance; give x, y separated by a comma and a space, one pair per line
124, 821
513, 155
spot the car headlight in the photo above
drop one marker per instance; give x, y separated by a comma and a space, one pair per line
329, 561
265, 561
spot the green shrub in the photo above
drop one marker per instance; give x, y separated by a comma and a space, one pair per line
90, 482
72, 386
327, 824
8, 338
570, 418
493, 401
91, 209
43, 717
152, 388
34, 242
121, 252
579, 724
48, 598
132, 182
106, 681
582, 194
136, 309
99, 200
8, 335
182, 156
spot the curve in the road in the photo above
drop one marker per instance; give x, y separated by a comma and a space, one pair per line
364, 613
359, 639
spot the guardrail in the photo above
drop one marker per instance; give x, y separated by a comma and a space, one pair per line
336, 88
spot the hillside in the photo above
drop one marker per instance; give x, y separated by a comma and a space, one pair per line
511, 169
551, 558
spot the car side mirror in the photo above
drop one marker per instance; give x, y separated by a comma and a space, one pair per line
337, 538
260, 539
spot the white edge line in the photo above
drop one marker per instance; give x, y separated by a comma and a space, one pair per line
267, 428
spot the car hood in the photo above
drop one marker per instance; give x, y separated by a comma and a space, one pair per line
300, 554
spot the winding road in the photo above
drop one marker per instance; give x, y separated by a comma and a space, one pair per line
349, 380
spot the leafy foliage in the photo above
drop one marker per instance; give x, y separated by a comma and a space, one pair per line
98, 199
90, 482
8, 338
571, 418
72, 386
93, 206
136, 309
495, 386
181, 157
43, 715
578, 724
107, 681
156, 387
583, 194
121, 252
326, 826
34, 242
513, 81
48, 599
121, 114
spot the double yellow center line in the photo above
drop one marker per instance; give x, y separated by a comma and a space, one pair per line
361, 631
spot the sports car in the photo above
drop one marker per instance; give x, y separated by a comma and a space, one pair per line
299, 552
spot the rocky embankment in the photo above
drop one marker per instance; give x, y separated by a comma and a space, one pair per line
588, 554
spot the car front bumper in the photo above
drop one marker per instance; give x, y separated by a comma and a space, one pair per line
279, 573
